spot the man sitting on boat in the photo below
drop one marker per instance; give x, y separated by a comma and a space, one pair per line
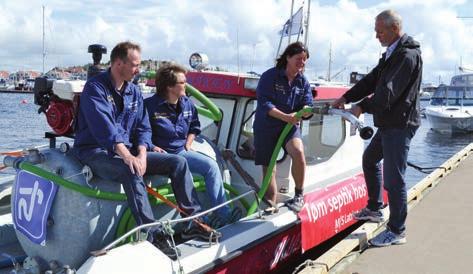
113, 135
175, 124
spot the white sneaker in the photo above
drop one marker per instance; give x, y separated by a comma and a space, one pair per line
388, 237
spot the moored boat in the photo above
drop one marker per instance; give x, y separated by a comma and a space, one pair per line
451, 109
90, 214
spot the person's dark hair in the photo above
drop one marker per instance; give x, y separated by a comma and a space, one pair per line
291, 50
120, 51
166, 77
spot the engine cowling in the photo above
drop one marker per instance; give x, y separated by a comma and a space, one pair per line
59, 100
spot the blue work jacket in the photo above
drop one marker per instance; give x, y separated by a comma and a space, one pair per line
107, 117
274, 91
172, 124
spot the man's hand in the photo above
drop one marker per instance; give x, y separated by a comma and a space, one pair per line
141, 170
158, 149
339, 103
137, 165
133, 163
356, 110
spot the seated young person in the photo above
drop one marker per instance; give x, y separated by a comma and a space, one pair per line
175, 123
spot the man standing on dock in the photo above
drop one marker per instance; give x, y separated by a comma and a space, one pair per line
394, 85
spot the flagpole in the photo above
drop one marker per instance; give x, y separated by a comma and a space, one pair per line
329, 63
279, 46
290, 23
301, 23
238, 55
307, 24
44, 52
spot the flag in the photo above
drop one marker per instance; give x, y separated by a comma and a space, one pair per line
296, 27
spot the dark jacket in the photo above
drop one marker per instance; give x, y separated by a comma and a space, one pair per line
107, 117
171, 126
274, 91
395, 85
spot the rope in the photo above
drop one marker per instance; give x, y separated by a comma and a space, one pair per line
426, 170
167, 228
171, 204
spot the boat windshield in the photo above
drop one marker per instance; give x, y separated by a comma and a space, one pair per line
322, 136
453, 96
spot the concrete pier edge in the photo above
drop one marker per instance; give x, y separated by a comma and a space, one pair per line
342, 253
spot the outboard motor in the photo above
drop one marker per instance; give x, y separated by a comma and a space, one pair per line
97, 51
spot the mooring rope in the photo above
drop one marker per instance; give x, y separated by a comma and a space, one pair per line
426, 170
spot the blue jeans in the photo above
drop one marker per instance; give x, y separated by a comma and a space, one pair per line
208, 168
171, 165
392, 145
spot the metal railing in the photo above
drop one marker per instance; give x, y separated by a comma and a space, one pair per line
138, 229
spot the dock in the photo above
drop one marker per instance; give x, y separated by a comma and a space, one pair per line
439, 230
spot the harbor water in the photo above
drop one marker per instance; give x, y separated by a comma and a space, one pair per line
22, 127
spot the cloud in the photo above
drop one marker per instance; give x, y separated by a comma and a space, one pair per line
174, 29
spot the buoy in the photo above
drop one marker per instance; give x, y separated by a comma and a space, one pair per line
24, 101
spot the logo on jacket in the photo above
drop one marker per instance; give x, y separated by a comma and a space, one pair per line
187, 113
133, 106
158, 115
279, 88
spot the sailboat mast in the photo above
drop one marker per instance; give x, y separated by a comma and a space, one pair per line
44, 52
290, 23
329, 63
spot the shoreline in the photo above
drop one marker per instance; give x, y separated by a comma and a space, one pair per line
16, 91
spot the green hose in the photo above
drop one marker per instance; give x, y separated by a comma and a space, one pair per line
127, 221
211, 111
89, 192
272, 163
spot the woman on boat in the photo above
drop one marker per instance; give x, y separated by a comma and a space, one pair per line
175, 124
282, 91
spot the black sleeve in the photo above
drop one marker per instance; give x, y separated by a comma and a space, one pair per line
363, 88
395, 82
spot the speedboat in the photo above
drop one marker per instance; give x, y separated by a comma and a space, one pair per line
451, 109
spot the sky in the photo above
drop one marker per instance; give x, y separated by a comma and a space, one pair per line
238, 35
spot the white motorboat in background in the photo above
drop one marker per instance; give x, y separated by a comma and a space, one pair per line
451, 109
426, 91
